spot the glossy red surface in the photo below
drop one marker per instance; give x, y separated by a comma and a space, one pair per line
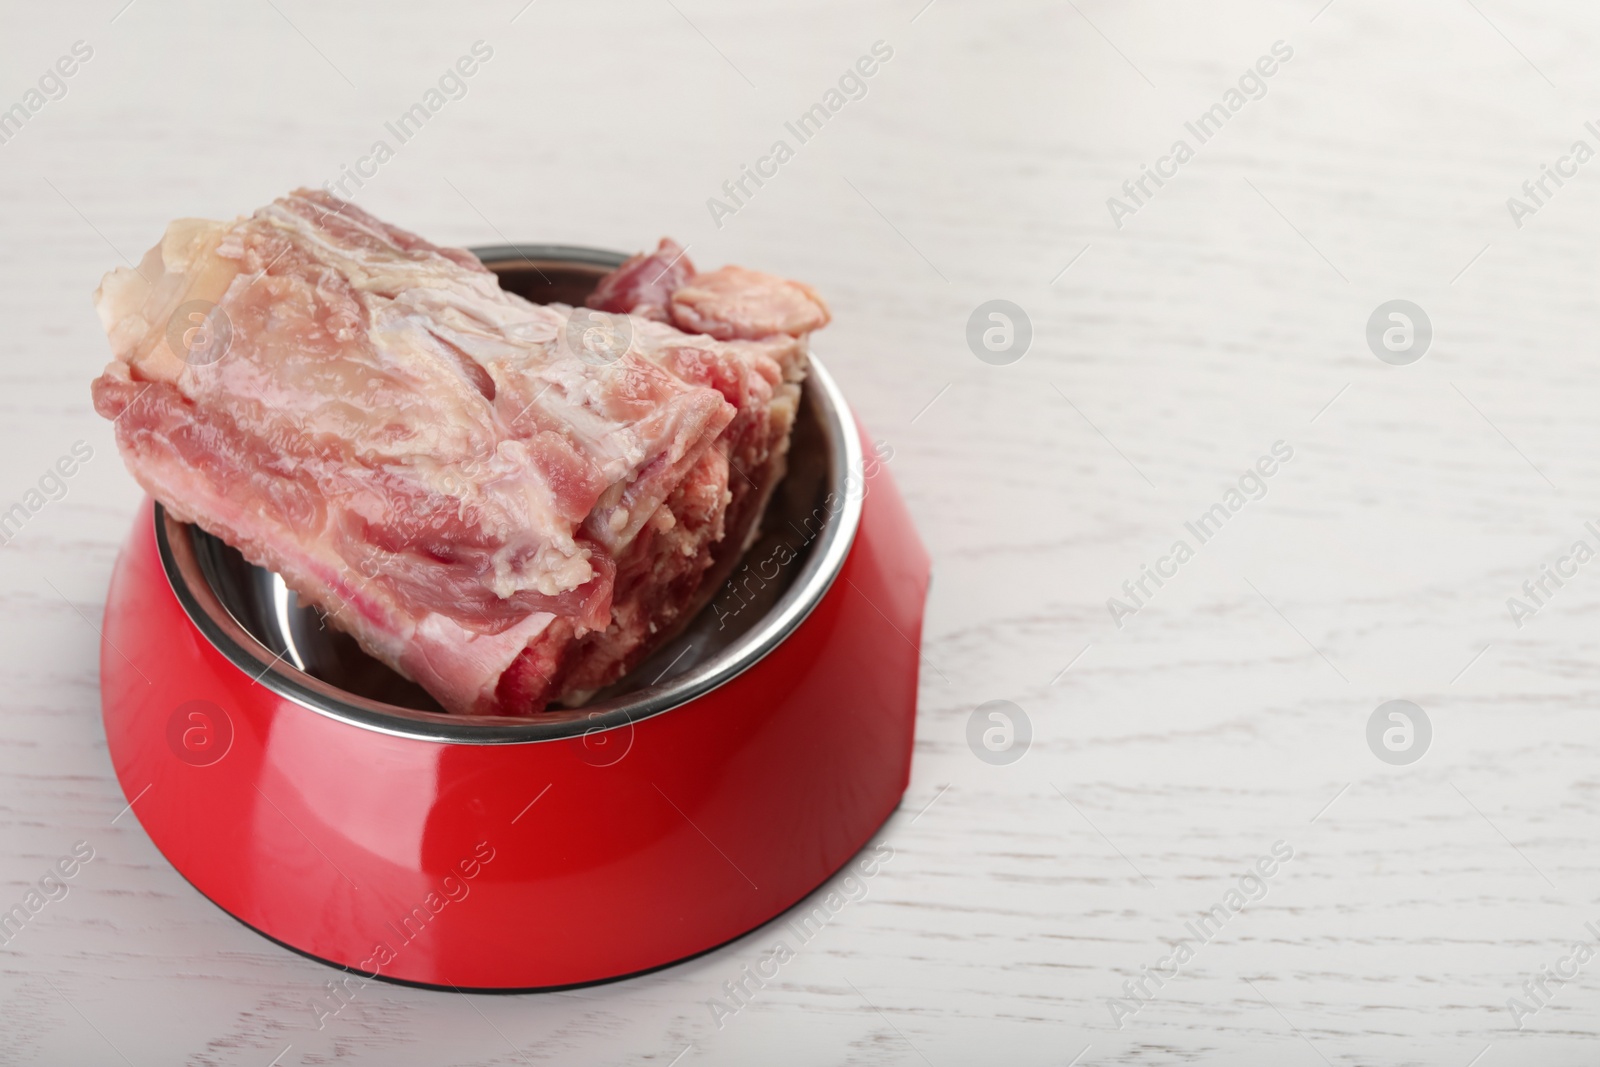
424, 861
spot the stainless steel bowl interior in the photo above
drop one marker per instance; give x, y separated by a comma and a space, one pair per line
255, 620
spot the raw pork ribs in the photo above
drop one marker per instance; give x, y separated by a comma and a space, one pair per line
498, 505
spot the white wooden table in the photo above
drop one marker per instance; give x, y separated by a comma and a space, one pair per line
1227, 312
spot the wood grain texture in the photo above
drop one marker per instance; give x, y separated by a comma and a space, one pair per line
1226, 314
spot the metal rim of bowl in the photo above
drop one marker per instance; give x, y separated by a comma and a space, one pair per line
225, 633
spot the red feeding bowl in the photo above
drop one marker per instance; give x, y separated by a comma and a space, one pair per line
327, 803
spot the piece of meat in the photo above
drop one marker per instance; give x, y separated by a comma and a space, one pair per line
645, 282
738, 304
731, 303
496, 506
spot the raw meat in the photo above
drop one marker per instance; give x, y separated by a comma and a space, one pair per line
729, 304
509, 503
645, 283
